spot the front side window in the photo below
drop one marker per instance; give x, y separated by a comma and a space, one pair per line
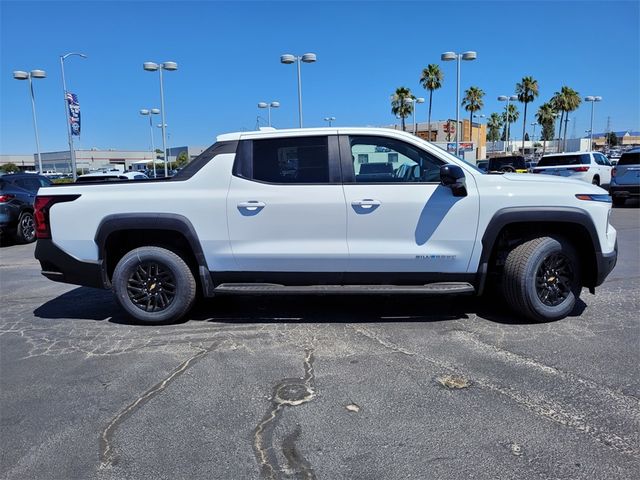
392, 161
291, 160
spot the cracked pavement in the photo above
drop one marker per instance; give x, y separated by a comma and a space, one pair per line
319, 387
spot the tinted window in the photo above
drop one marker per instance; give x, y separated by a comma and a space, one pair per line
630, 159
291, 160
392, 161
561, 160
30, 184
498, 164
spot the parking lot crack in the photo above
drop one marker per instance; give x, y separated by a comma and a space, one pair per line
107, 455
289, 392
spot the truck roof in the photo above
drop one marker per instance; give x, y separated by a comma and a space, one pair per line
292, 132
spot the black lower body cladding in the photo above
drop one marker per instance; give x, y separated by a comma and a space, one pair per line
59, 266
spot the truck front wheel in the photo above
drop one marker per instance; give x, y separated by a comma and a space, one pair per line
541, 278
154, 285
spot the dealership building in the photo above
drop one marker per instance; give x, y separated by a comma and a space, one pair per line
95, 160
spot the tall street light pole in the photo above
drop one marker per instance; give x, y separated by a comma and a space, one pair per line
449, 56
152, 67
20, 75
508, 99
269, 106
151, 112
592, 99
413, 102
306, 58
72, 152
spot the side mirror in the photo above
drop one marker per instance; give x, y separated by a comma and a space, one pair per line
452, 176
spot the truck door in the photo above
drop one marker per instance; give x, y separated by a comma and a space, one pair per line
286, 206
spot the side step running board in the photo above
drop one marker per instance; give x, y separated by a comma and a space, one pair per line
443, 288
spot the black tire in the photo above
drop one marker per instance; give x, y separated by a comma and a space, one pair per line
154, 285
618, 201
541, 279
26, 231
596, 181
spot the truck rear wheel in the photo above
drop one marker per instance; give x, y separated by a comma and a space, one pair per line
154, 285
541, 279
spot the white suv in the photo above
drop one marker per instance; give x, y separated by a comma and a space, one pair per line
592, 167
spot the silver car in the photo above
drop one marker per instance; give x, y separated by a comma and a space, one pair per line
625, 177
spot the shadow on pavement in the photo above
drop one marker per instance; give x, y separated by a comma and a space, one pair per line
91, 304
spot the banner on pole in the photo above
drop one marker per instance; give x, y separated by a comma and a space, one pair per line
74, 113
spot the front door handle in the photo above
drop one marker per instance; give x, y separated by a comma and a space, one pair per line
252, 205
366, 203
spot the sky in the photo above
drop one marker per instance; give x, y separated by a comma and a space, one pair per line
228, 56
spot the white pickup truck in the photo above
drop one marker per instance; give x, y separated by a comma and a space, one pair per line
331, 210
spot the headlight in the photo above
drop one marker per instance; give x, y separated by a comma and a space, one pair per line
594, 198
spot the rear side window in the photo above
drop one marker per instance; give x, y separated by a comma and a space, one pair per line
291, 160
561, 160
30, 184
632, 158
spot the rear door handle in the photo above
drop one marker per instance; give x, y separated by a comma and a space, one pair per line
252, 205
366, 203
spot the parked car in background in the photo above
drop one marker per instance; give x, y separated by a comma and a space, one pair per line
507, 164
17, 195
592, 167
625, 177
111, 176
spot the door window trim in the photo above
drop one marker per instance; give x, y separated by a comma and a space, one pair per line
348, 170
243, 163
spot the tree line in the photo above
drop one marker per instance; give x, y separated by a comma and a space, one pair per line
560, 105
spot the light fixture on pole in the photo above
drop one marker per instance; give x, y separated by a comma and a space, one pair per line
20, 75
413, 102
471, 129
447, 57
151, 112
152, 67
533, 135
306, 58
269, 106
508, 99
329, 119
592, 99
72, 153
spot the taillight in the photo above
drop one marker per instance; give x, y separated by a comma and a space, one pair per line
41, 208
580, 169
614, 171
4, 198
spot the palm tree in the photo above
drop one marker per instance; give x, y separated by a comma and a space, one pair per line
546, 117
400, 104
527, 91
472, 102
494, 124
431, 79
565, 101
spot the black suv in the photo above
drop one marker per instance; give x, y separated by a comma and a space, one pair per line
17, 194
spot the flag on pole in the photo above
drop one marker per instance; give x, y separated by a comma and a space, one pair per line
74, 113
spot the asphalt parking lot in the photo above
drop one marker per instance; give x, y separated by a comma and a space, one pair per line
319, 387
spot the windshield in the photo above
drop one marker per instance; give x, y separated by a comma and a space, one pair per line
630, 158
561, 160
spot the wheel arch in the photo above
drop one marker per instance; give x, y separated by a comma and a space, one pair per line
117, 234
511, 226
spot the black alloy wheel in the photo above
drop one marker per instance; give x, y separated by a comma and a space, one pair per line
26, 228
554, 279
151, 287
